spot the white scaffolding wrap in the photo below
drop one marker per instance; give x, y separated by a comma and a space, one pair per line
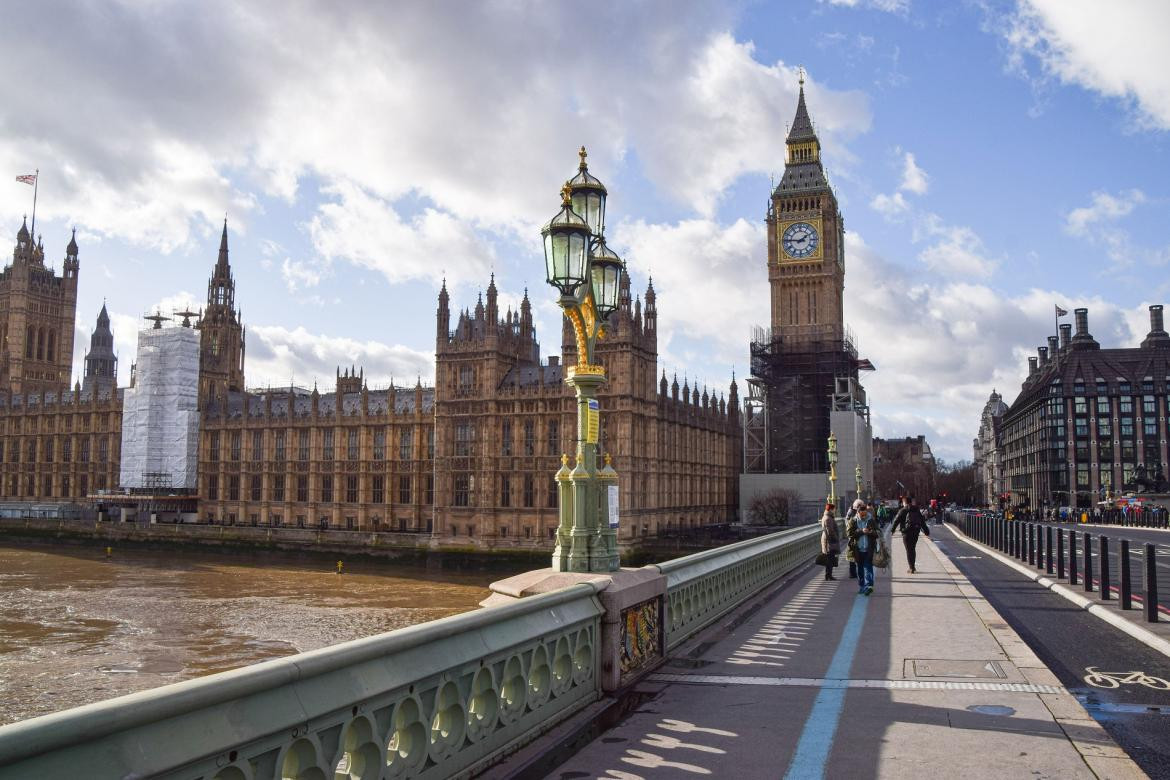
160, 414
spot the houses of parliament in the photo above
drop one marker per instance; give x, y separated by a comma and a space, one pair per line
468, 462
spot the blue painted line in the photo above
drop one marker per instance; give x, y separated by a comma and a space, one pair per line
816, 740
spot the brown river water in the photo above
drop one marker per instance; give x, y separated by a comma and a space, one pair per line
76, 628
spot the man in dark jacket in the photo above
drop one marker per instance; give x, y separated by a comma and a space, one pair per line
912, 523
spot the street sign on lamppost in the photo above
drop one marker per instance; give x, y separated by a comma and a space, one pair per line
588, 275
832, 469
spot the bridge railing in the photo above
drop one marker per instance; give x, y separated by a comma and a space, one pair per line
1069, 555
700, 588
436, 700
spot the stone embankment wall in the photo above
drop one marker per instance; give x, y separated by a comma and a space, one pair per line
403, 546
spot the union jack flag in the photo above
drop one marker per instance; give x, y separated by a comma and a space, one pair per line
28, 178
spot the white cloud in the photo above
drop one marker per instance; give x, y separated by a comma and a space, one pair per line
1097, 222
914, 179
701, 270
277, 354
954, 250
889, 6
300, 274
368, 231
941, 346
1103, 208
891, 207
958, 251
465, 112
1117, 50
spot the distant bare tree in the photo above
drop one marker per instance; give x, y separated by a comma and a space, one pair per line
774, 507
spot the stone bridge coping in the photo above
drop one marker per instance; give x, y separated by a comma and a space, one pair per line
32, 737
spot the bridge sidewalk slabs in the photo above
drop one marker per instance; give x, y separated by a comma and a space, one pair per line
1156, 636
921, 679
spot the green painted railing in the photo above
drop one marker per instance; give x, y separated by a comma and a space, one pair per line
700, 588
436, 700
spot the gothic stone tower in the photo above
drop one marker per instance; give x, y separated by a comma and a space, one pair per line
38, 310
806, 254
101, 364
221, 341
797, 363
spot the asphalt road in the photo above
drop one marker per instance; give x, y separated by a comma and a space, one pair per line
1074, 643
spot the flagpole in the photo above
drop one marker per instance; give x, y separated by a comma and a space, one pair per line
36, 184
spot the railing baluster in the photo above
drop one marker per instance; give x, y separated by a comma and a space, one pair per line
1151, 593
1060, 553
1048, 549
1103, 547
1088, 563
1126, 584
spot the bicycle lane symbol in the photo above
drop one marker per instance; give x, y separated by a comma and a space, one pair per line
1099, 679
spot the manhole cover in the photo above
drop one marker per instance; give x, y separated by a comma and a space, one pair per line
936, 667
991, 709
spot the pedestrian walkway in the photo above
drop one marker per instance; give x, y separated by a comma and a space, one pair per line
923, 679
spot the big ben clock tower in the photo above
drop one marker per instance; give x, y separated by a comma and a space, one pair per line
806, 258
804, 368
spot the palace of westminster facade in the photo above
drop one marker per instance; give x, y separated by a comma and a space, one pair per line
468, 462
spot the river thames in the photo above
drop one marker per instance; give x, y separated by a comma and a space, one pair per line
76, 628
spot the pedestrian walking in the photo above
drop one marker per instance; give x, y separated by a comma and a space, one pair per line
912, 523
830, 541
863, 535
849, 515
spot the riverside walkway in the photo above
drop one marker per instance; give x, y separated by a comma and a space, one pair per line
923, 679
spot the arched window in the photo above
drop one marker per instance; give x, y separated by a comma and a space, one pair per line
40, 343
51, 352
30, 342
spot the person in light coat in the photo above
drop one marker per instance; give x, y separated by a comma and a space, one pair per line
830, 541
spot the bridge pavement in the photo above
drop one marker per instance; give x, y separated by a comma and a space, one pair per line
921, 679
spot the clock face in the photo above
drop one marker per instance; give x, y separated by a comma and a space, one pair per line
800, 240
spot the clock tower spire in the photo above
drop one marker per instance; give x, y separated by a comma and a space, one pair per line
806, 260
804, 368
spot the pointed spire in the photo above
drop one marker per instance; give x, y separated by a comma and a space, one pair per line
71, 248
222, 262
802, 128
22, 234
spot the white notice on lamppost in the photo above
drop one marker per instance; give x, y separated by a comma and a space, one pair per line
613, 506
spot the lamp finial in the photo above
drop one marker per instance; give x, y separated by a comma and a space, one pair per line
583, 154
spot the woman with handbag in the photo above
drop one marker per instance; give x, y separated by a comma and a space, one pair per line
830, 542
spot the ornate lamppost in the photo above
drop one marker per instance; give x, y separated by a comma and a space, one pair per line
588, 275
833, 469
857, 477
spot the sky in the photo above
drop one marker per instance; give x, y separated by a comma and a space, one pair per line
991, 158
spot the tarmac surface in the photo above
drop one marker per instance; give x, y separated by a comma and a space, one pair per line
923, 679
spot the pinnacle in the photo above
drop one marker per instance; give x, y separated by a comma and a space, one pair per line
802, 129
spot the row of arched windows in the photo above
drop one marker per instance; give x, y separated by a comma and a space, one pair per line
802, 204
40, 344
